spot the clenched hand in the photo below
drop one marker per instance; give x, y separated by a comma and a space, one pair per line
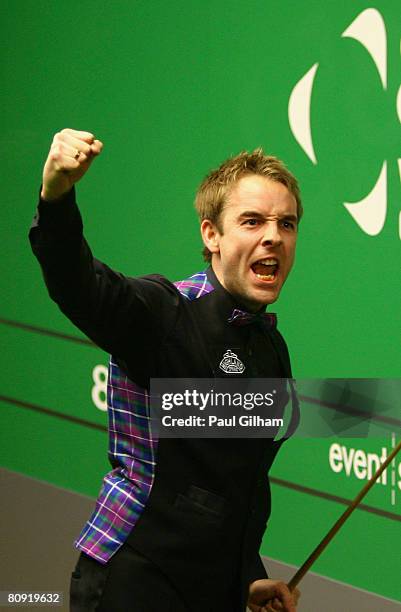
70, 156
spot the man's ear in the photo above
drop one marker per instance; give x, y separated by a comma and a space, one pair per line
210, 236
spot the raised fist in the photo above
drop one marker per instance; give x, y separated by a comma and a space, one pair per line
70, 156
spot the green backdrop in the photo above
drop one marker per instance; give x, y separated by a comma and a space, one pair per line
172, 89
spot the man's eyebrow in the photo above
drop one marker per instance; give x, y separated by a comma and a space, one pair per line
251, 213
255, 214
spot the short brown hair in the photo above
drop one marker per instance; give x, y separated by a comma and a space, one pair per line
212, 193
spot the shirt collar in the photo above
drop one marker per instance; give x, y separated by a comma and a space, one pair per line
226, 306
226, 302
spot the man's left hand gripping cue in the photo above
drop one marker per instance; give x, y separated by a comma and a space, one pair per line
271, 595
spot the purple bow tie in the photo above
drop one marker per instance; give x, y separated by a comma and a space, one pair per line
240, 317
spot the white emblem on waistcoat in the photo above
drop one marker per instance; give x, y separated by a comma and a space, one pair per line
231, 364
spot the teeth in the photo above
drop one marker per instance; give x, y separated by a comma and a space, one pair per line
269, 261
266, 276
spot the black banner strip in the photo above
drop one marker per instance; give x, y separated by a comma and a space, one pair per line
335, 498
312, 400
52, 413
347, 410
352, 411
47, 332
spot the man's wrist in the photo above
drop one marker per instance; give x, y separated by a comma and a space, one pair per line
50, 213
47, 196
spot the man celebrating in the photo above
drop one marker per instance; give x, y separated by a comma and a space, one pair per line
178, 522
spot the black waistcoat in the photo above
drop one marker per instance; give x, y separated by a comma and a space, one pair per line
210, 500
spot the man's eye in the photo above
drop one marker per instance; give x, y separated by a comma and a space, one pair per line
288, 224
252, 222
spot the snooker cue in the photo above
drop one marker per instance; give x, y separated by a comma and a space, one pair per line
340, 522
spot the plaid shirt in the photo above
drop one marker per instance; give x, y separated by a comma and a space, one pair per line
133, 448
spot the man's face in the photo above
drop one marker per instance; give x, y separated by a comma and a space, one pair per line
256, 248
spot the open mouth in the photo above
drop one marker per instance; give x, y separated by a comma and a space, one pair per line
266, 269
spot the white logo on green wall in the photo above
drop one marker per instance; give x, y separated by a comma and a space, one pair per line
370, 31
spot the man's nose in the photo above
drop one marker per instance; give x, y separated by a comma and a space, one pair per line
271, 235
